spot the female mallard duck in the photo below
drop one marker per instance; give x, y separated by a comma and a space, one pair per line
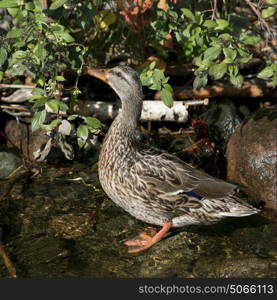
150, 184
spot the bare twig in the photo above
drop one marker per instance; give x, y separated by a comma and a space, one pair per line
7, 262
17, 114
257, 13
16, 86
193, 145
214, 9
14, 107
196, 102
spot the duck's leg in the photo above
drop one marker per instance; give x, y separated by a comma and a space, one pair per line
145, 241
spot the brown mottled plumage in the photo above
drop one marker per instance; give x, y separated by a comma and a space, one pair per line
150, 184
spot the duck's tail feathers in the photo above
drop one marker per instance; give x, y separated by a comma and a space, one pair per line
239, 208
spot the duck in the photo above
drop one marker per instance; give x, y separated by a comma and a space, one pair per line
150, 184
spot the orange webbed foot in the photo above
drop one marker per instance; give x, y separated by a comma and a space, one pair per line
145, 241
139, 243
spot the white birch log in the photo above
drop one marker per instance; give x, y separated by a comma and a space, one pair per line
152, 110
19, 96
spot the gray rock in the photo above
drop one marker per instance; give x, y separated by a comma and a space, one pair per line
251, 156
9, 161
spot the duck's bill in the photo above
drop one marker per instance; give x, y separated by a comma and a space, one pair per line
98, 73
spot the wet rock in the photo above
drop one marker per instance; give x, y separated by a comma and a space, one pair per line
246, 266
21, 136
243, 252
251, 156
223, 118
9, 161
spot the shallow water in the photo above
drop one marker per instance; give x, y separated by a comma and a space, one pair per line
58, 225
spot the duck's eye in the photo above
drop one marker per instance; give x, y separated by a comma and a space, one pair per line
119, 75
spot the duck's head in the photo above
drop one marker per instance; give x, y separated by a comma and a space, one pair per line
123, 79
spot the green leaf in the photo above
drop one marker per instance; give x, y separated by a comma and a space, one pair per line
71, 117
271, 1
197, 61
187, 31
200, 81
274, 67
30, 6
3, 56
245, 60
251, 40
60, 78
226, 36
38, 91
217, 71
57, 3
38, 4
93, 122
236, 80
158, 78
209, 24
152, 65
37, 96
186, 12
274, 81
40, 52
230, 53
178, 36
51, 126
82, 132
8, 3
268, 12
158, 75
53, 105
266, 73
243, 52
54, 123
81, 142
168, 87
57, 27
233, 70
212, 53
221, 24
65, 36
15, 32
63, 106
40, 102
38, 119
166, 97
145, 80
13, 11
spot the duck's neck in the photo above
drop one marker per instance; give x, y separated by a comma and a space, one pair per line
131, 111
125, 125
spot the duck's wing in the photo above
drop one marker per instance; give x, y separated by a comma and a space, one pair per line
169, 178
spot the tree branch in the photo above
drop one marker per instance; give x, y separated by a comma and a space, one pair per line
257, 13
